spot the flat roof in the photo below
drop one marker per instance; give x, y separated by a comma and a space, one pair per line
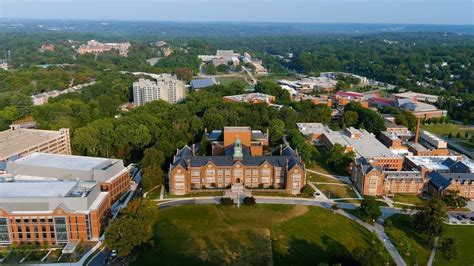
13, 142
364, 146
311, 128
431, 162
35, 189
72, 162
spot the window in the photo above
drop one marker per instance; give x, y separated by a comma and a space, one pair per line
238, 172
295, 177
61, 229
196, 173
227, 173
179, 178
210, 179
255, 172
179, 186
4, 233
265, 179
220, 173
248, 173
210, 172
266, 172
255, 180
296, 184
196, 180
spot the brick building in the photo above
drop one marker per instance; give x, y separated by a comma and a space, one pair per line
238, 158
371, 179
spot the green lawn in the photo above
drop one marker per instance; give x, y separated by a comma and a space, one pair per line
336, 191
259, 235
445, 129
464, 236
320, 178
405, 237
408, 198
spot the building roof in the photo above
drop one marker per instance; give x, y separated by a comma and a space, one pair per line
186, 159
432, 163
443, 180
70, 162
364, 146
349, 94
13, 142
311, 128
202, 83
403, 175
251, 97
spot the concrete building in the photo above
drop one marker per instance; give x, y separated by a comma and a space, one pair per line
421, 97
432, 141
96, 47
419, 109
253, 98
39, 210
167, 87
364, 144
238, 164
17, 142
111, 174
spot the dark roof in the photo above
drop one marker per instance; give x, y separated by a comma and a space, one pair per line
258, 135
448, 162
185, 158
366, 166
230, 151
459, 167
202, 83
443, 180
214, 135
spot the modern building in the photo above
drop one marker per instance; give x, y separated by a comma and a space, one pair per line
167, 87
17, 142
417, 96
111, 174
419, 109
371, 179
342, 98
222, 57
197, 84
238, 162
96, 47
43, 98
253, 98
41, 210
55, 199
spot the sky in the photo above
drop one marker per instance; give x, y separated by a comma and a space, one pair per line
319, 11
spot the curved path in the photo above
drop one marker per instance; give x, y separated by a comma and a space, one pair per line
377, 228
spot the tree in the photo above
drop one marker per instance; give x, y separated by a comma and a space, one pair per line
350, 119
449, 249
430, 219
369, 256
152, 173
133, 227
250, 201
339, 158
369, 210
227, 201
307, 191
276, 129
453, 200
222, 68
458, 135
204, 145
184, 74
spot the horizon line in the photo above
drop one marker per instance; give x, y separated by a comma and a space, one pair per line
233, 21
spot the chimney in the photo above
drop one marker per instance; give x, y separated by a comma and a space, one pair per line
417, 132
194, 150
281, 149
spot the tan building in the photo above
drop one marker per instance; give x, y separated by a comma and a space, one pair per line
237, 164
165, 87
96, 47
252, 98
18, 141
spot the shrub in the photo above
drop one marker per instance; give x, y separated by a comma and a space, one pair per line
227, 201
250, 201
307, 190
260, 186
334, 207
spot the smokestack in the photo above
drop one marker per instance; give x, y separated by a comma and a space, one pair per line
417, 133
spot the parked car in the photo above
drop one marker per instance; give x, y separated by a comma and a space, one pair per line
464, 216
472, 218
113, 254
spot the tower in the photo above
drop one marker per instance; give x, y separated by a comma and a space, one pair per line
238, 153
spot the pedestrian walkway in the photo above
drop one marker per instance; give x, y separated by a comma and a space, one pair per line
433, 251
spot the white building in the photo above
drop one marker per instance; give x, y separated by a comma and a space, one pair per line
167, 87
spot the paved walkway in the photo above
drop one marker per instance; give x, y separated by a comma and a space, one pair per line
380, 232
342, 178
433, 251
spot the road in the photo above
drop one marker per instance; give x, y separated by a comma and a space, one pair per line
254, 80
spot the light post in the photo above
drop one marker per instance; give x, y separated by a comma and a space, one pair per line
238, 199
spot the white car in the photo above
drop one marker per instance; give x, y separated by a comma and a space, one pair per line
113, 254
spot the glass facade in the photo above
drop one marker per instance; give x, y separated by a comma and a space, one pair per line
61, 229
4, 231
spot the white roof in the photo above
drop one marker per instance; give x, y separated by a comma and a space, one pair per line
34, 189
62, 161
431, 162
